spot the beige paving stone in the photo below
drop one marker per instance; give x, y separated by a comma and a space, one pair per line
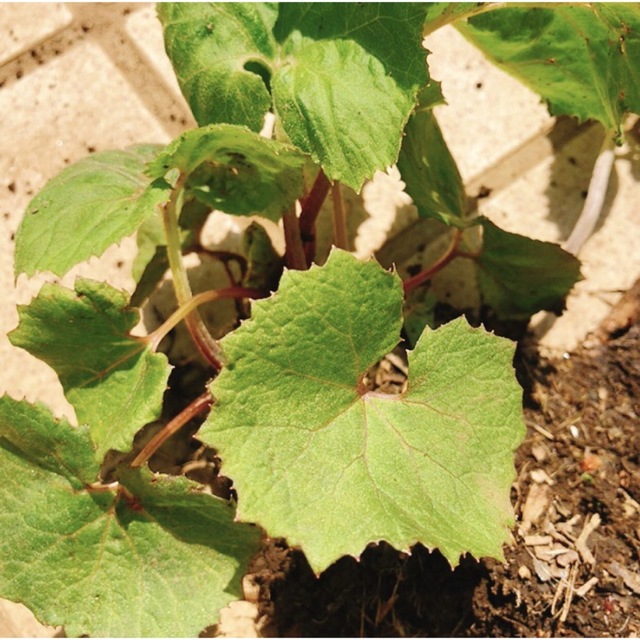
488, 113
19, 31
16, 621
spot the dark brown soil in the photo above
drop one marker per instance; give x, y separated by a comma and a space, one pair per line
573, 568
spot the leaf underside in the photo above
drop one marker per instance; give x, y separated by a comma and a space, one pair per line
235, 170
113, 381
433, 465
582, 59
158, 560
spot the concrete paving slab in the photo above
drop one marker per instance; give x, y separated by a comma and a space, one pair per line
19, 31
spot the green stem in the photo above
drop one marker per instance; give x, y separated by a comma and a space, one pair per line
449, 15
294, 252
450, 254
199, 332
156, 337
199, 405
596, 194
339, 221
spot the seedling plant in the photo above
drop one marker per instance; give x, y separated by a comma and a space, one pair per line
95, 540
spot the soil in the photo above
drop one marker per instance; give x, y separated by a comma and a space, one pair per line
573, 567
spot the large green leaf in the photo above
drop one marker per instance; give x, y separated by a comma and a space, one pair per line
112, 563
582, 59
220, 52
86, 208
519, 276
235, 170
113, 381
343, 78
331, 468
427, 166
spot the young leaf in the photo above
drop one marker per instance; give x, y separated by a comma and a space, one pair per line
111, 563
235, 170
222, 53
331, 72
582, 59
427, 166
112, 380
351, 72
86, 208
519, 276
433, 465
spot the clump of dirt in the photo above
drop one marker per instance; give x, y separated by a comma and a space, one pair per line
573, 568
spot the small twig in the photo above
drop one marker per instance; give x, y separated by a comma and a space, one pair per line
452, 252
310, 209
294, 253
596, 194
199, 405
568, 599
339, 221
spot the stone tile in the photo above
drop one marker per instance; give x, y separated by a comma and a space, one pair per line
488, 113
19, 31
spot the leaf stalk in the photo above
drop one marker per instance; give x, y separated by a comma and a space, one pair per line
294, 252
156, 336
198, 330
310, 209
339, 221
199, 405
596, 194
450, 254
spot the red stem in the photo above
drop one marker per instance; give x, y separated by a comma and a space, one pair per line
198, 406
310, 209
450, 254
294, 253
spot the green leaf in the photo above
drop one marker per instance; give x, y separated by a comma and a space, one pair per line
235, 170
433, 465
349, 82
113, 381
427, 167
343, 78
151, 261
112, 563
222, 53
519, 276
582, 59
89, 206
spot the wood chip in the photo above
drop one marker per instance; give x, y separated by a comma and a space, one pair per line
544, 432
537, 540
524, 572
540, 476
535, 506
586, 587
565, 559
631, 579
581, 543
539, 452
